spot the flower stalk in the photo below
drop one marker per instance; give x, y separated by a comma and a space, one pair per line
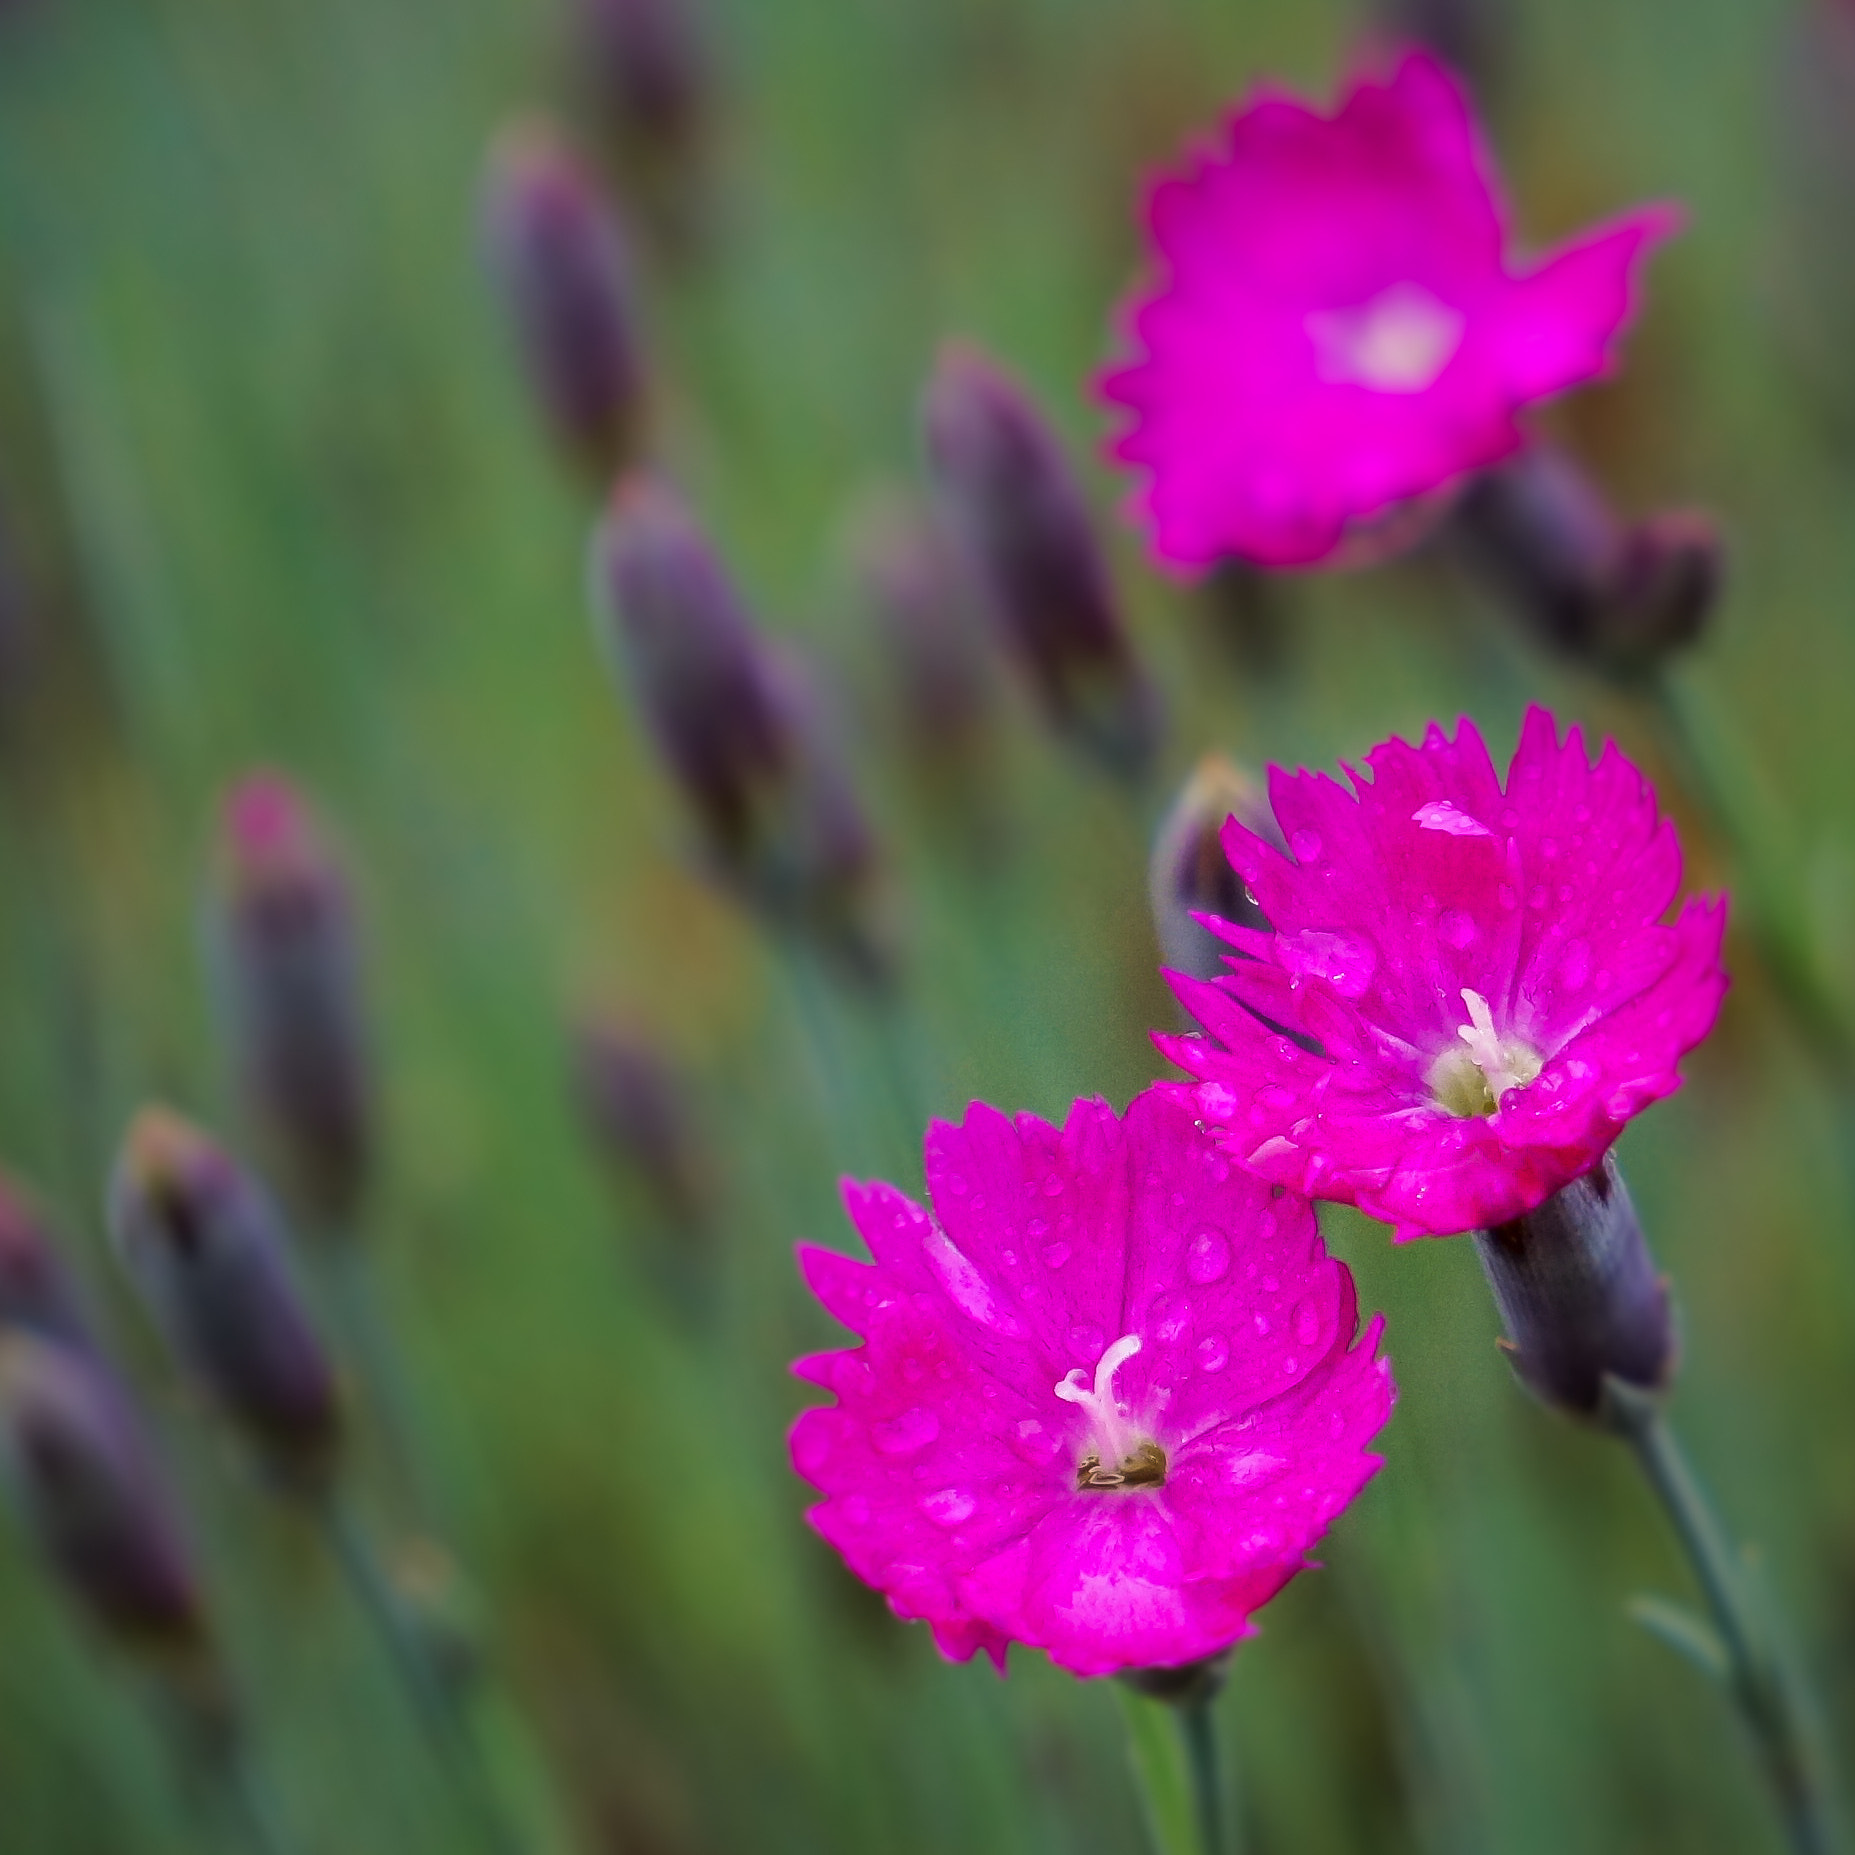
1591, 1334
1172, 1741
1760, 1674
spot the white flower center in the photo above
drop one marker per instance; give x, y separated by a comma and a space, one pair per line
1117, 1455
1398, 342
1472, 1080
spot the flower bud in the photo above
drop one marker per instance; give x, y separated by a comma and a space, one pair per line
208, 1254
1615, 596
1580, 1295
646, 64
287, 967
1189, 873
36, 1292
702, 678
635, 1109
88, 1488
738, 725
560, 261
922, 606
1016, 509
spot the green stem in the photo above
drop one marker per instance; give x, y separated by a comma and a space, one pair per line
250, 1805
1765, 1686
1198, 1729
440, 1707
1173, 1746
354, 1306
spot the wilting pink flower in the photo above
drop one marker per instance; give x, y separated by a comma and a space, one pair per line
1337, 327
1482, 969
1109, 1395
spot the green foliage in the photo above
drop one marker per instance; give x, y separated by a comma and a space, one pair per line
288, 503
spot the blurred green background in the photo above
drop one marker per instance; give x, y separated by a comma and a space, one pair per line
285, 500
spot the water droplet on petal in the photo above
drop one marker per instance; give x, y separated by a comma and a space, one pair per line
1575, 964
951, 1507
1305, 844
1457, 928
1085, 1342
1171, 1315
1213, 1353
903, 1435
1346, 961
1207, 1257
967, 1288
1055, 1255
1034, 1443
1261, 1322
1307, 1323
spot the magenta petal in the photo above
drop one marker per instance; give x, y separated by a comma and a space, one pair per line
1334, 332
1561, 322
1129, 1252
1430, 885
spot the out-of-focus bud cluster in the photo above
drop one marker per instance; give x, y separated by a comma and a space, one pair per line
648, 74
1581, 1297
1190, 875
738, 725
640, 1119
1616, 595
88, 1489
287, 967
1014, 505
208, 1254
922, 603
560, 261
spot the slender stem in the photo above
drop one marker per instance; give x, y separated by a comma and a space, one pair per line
437, 1702
1173, 1746
250, 1804
1198, 1729
354, 1306
1765, 1685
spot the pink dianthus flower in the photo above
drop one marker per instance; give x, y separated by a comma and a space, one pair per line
1338, 328
1482, 972
1111, 1390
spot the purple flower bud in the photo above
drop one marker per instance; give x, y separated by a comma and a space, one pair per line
208, 1255
1016, 508
922, 604
1615, 596
647, 66
90, 1491
1580, 1295
287, 966
639, 1117
701, 676
36, 1292
738, 725
560, 260
1189, 873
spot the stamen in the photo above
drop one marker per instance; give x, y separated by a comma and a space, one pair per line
1130, 1461
1471, 1081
